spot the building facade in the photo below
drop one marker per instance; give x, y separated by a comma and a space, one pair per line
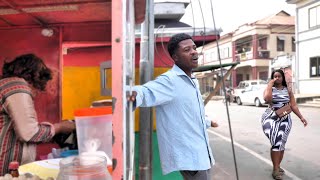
255, 45
307, 65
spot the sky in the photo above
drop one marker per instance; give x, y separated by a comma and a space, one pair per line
230, 14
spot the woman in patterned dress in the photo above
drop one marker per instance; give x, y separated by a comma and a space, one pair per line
277, 129
20, 130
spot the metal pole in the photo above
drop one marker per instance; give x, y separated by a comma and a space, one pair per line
146, 73
297, 58
224, 90
129, 75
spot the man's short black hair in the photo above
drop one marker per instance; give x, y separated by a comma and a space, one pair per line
174, 41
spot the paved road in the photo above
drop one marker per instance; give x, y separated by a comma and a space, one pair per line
302, 155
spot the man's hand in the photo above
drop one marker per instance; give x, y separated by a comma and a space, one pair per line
132, 97
214, 124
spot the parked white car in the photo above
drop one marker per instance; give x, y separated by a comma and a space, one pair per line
246, 84
252, 95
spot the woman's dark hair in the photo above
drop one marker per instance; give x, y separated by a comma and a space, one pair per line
29, 67
284, 83
174, 41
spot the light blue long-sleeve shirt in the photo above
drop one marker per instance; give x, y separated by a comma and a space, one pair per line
181, 121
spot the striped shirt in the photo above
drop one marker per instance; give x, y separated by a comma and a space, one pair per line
19, 128
181, 121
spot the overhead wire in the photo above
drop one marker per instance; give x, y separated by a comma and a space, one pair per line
204, 27
223, 83
193, 22
219, 58
225, 96
193, 27
156, 47
164, 49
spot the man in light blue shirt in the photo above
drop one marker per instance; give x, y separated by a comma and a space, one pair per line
180, 117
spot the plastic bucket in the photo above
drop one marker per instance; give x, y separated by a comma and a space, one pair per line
94, 131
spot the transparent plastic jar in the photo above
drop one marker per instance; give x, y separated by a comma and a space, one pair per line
83, 167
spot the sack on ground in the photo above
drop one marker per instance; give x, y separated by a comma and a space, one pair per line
283, 111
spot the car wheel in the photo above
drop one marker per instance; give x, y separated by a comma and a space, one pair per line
239, 101
257, 102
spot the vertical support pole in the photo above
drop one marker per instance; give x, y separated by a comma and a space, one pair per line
129, 78
234, 78
297, 57
254, 73
117, 88
60, 71
146, 74
234, 59
255, 46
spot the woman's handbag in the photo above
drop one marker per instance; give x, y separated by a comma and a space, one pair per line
283, 111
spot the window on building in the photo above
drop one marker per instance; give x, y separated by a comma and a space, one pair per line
221, 53
263, 43
206, 58
226, 52
280, 43
263, 75
213, 57
315, 67
293, 44
314, 16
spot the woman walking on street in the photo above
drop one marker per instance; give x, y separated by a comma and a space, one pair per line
276, 128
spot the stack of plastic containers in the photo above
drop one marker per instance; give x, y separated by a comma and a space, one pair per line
94, 132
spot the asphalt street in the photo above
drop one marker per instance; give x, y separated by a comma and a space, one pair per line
252, 148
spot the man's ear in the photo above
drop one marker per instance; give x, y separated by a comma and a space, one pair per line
175, 57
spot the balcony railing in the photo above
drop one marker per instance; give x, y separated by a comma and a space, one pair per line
244, 56
264, 54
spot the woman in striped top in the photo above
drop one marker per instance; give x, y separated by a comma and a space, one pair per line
19, 127
277, 129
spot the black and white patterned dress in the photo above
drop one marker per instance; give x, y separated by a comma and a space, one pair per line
275, 128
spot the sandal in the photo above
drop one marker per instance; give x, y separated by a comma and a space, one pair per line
277, 175
281, 171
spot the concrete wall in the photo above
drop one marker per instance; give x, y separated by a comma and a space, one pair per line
308, 40
20, 41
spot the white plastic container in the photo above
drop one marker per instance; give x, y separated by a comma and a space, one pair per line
94, 132
83, 167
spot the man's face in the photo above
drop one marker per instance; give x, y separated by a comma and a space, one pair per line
186, 56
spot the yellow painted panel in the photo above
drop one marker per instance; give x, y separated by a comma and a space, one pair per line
80, 87
157, 72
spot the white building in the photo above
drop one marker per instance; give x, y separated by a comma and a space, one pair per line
307, 65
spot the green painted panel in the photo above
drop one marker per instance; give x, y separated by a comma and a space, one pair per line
156, 173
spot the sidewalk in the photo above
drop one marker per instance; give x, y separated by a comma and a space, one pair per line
302, 98
308, 100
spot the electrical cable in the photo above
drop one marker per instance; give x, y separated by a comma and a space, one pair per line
193, 22
164, 49
223, 84
156, 47
225, 96
204, 27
